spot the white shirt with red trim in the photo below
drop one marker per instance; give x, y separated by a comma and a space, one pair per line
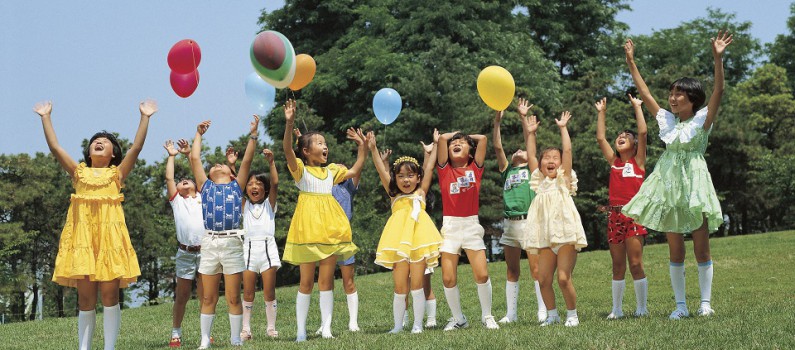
188, 219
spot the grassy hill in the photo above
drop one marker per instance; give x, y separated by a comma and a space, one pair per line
753, 296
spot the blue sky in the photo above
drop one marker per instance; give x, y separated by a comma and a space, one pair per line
97, 59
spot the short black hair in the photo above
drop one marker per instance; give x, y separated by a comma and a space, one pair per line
116, 160
693, 89
545, 150
414, 167
266, 183
472, 145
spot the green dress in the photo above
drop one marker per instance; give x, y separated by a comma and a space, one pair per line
679, 194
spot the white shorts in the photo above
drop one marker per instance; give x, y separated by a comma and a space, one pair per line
514, 233
261, 254
429, 270
461, 233
221, 254
187, 264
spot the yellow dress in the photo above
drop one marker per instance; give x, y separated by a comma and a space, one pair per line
409, 234
95, 241
319, 227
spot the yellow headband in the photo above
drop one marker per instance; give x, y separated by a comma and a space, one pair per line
406, 159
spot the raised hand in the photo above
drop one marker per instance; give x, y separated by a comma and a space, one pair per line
184, 147
231, 155
268, 154
435, 135
371, 140
147, 107
601, 105
636, 102
355, 135
498, 116
629, 50
385, 156
289, 110
523, 107
531, 122
564, 119
169, 146
720, 42
253, 127
203, 126
43, 108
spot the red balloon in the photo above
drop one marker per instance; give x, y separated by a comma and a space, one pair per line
184, 56
184, 84
269, 50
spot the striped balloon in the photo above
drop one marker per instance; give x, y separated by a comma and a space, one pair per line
281, 76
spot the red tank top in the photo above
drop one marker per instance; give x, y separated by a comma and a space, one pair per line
625, 180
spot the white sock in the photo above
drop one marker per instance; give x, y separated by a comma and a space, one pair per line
571, 313
248, 307
235, 323
176, 332
453, 297
618, 296
270, 313
86, 321
398, 310
552, 313
418, 303
677, 271
511, 296
705, 281
353, 310
641, 294
326, 309
301, 311
430, 308
484, 294
112, 323
206, 328
539, 299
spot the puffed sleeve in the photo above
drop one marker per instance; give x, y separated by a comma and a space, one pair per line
535, 179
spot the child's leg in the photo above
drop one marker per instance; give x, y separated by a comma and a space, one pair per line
450, 280
86, 302
480, 270
352, 296
209, 300
532, 260
181, 295
547, 263
567, 258
704, 259
325, 283
430, 301
416, 273
512, 257
634, 247
400, 276
111, 312
676, 268
232, 294
618, 255
249, 289
306, 284
269, 294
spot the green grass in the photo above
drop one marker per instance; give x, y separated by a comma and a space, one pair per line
752, 295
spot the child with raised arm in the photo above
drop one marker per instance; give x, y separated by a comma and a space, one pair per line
460, 168
95, 252
260, 253
627, 168
187, 207
410, 241
555, 227
222, 245
319, 231
678, 197
517, 196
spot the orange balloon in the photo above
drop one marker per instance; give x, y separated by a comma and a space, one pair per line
304, 71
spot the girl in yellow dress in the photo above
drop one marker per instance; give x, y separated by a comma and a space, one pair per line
410, 241
95, 252
319, 231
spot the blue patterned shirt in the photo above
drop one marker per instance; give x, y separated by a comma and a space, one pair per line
343, 193
221, 205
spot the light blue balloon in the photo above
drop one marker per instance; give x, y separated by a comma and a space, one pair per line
260, 94
387, 105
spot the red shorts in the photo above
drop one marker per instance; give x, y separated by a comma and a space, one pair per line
619, 227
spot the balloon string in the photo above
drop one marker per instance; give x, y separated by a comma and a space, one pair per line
385, 146
292, 93
193, 56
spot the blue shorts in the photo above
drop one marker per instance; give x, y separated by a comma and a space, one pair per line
347, 262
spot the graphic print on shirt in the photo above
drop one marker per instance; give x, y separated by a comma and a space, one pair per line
516, 179
628, 170
463, 182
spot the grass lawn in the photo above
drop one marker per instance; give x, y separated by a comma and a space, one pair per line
754, 304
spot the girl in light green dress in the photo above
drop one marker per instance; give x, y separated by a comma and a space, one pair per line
678, 197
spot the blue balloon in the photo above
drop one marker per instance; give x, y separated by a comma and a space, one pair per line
387, 105
260, 94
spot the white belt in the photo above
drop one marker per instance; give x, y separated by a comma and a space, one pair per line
225, 233
259, 238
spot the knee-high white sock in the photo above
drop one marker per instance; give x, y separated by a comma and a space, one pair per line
206, 328
248, 307
418, 304
112, 324
641, 295
353, 310
86, 321
511, 297
301, 311
326, 310
235, 323
484, 294
398, 310
705, 281
539, 299
270, 313
453, 297
677, 271
430, 308
618, 296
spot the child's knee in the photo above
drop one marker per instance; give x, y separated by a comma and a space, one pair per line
248, 295
349, 285
482, 277
209, 299
636, 267
449, 280
233, 299
564, 280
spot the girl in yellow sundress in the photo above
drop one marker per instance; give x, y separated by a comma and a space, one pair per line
95, 252
410, 241
319, 231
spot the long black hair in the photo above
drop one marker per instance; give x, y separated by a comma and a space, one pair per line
693, 89
116, 160
413, 166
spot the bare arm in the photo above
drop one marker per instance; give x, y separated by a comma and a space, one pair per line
380, 167
442, 154
357, 136
171, 186
429, 152
565, 142
274, 190
529, 128
44, 109
502, 161
287, 143
601, 139
248, 156
231, 158
147, 108
643, 90
640, 157
195, 155
719, 45
480, 153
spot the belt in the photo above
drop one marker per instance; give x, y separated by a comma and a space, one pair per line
517, 217
614, 207
190, 248
265, 238
225, 233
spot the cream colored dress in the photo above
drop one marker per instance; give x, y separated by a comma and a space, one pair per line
552, 218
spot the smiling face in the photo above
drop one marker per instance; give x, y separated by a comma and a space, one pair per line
550, 162
257, 189
406, 179
519, 157
186, 187
626, 142
316, 151
679, 102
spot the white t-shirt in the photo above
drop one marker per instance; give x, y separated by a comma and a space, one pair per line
188, 219
259, 220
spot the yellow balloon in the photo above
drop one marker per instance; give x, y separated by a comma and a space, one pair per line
496, 87
304, 71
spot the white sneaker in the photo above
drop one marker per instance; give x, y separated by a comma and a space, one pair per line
705, 310
615, 315
572, 321
236, 342
679, 314
319, 331
489, 322
430, 322
416, 330
395, 330
453, 324
550, 320
641, 313
542, 315
508, 319
300, 338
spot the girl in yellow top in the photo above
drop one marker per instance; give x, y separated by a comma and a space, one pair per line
319, 231
95, 252
410, 241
